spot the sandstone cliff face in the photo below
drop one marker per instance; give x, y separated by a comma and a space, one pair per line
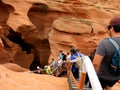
53, 25
33, 31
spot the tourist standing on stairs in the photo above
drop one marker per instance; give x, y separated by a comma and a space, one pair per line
47, 69
104, 53
64, 57
68, 56
75, 68
79, 53
54, 63
61, 54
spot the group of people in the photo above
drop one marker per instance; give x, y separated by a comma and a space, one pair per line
101, 60
103, 55
68, 57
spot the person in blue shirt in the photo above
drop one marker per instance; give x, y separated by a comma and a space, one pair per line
74, 68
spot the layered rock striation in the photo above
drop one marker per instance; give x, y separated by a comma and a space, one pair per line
47, 26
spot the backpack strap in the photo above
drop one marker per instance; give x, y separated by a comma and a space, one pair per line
114, 43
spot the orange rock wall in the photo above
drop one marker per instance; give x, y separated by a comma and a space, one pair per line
53, 25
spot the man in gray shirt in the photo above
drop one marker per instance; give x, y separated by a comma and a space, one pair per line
104, 53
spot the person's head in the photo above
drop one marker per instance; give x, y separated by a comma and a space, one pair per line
114, 24
72, 47
60, 51
78, 50
53, 59
63, 53
45, 66
68, 53
72, 51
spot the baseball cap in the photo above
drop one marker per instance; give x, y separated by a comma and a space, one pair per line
115, 21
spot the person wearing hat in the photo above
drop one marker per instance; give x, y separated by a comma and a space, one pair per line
47, 69
104, 53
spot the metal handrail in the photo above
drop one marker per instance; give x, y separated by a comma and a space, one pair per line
87, 66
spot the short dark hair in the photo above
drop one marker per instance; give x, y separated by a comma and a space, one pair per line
109, 27
78, 50
115, 27
73, 51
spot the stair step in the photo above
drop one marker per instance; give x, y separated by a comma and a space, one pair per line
74, 87
87, 88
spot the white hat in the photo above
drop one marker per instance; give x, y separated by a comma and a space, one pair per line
45, 67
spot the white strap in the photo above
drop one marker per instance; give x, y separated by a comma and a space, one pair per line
114, 43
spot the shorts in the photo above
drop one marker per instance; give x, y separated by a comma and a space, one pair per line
105, 83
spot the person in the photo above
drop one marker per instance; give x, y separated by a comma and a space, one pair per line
79, 53
39, 70
60, 63
64, 57
61, 54
74, 68
68, 56
54, 63
104, 53
47, 69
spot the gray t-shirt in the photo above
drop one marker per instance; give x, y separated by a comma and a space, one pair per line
106, 49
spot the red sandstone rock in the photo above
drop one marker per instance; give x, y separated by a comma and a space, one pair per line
28, 81
53, 25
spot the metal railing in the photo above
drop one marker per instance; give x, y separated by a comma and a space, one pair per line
86, 67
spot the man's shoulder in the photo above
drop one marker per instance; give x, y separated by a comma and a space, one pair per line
103, 41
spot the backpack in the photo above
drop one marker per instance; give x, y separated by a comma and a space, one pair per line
115, 62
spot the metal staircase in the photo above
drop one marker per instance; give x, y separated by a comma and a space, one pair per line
80, 83
73, 86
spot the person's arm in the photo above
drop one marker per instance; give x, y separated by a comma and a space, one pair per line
97, 61
75, 60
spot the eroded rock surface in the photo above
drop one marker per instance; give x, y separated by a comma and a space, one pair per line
11, 80
44, 27
53, 25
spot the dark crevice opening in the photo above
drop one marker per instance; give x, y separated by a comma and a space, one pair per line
36, 61
37, 15
16, 37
